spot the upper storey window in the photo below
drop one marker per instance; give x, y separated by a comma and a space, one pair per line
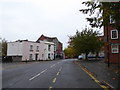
114, 34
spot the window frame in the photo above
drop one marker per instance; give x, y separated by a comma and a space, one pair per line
112, 34
113, 49
37, 48
31, 48
112, 21
30, 56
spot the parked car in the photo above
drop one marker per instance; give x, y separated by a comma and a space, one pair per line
80, 57
91, 56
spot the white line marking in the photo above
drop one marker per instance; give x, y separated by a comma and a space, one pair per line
37, 74
34, 77
52, 65
43, 71
60, 69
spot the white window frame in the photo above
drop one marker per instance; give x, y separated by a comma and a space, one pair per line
116, 33
111, 21
115, 50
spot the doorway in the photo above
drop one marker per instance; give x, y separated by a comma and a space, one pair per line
36, 57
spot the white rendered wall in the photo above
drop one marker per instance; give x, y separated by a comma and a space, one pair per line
14, 49
27, 52
47, 51
23, 49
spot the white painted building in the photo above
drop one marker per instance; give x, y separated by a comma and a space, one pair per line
24, 50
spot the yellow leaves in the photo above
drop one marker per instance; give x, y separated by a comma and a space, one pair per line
70, 52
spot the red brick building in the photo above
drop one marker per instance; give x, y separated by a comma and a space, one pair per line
58, 49
112, 41
112, 48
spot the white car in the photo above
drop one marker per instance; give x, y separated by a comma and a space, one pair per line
80, 57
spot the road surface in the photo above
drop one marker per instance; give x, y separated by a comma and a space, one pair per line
46, 74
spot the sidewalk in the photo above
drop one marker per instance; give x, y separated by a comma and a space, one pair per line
102, 72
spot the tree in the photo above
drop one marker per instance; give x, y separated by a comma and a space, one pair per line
4, 47
86, 41
104, 11
69, 52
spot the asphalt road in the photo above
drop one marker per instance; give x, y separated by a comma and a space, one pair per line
46, 74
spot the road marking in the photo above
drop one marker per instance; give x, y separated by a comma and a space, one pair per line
60, 69
52, 65
43, 71
50, 87
54, 80
34, 77
37, 74
58, 73
97, 81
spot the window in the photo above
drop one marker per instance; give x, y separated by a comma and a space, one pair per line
49, 46
114, 34
31, 47
114, 48
30, 57
112, 21
37, 48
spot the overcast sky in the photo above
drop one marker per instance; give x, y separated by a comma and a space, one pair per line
28, 19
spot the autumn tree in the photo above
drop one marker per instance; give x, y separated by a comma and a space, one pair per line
69, 52
86, 41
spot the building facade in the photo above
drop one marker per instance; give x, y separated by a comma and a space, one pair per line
58, 48
112, 47
24, 50
112, 36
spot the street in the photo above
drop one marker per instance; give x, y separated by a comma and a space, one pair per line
46, 74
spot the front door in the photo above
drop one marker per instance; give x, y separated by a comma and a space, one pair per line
36, 57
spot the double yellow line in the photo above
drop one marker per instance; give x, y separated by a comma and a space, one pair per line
106, 86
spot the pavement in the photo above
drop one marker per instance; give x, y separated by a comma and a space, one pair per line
100, 70
47, 74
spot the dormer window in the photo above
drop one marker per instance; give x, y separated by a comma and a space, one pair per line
114, 34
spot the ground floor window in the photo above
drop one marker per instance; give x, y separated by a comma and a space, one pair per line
114, 48
30, 56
